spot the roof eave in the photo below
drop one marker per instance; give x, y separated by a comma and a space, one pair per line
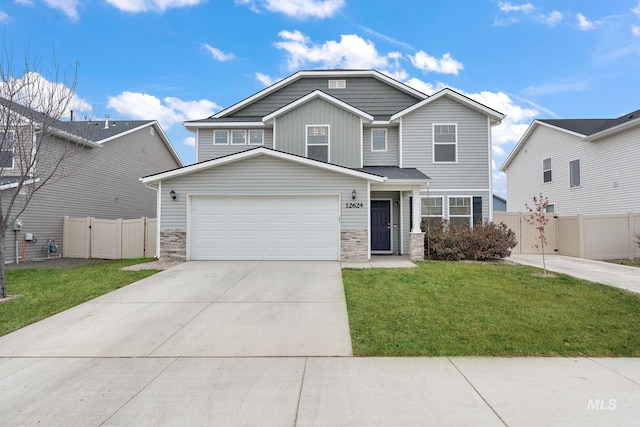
610, 131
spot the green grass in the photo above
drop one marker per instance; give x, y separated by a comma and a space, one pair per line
44, 292
487, 309
629, 262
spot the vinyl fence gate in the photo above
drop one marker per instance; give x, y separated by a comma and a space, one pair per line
109, 239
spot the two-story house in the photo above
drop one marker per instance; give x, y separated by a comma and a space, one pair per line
327, 165
584, 166
86, 168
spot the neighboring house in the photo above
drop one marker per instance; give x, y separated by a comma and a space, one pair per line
99, 178
499, 204
334, 165
584, 166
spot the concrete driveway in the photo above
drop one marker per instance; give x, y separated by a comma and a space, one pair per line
198, 309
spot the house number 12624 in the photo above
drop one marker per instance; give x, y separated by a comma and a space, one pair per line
351, 205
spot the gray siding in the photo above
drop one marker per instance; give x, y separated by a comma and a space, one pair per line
366, 93
101, 182
473, 168
263, 175
345, 132
377, 158
207, 150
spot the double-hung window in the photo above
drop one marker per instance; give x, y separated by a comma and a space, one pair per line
574, 173
445, 143
221, 137
238, 137
432, 209
546, 170
318, 142
378, 140
256, 137
460, 211
6, 150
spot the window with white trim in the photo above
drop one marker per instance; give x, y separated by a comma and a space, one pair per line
433, 209
238, 137
317, 142
460, 211
6, 150
551, 208
445, 143
337, 84
546, 170
256, 137
221, 137
574, 173
378, 140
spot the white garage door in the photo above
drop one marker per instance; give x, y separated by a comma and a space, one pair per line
264, 227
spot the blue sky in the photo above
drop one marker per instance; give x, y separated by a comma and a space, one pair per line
174, 60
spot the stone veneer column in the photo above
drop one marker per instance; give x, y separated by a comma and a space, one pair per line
173, 245
354, 245
416, 252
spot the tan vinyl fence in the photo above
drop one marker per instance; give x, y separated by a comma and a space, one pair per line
585, 236
109, 239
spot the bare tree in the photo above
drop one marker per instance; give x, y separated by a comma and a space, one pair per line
538, 218
35, 144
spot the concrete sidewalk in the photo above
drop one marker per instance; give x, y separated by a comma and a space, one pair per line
320, 391
620, 276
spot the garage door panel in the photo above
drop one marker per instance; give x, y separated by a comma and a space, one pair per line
264, 227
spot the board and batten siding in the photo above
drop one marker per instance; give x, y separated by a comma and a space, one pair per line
365, 93
381, 158
609, 172
345, 132
263, 175
473, 169
207, 150
102, 182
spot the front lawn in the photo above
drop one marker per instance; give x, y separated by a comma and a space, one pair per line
44, 292
487, 309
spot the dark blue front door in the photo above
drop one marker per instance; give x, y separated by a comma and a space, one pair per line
380, 225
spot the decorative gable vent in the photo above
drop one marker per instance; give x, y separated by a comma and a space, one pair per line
337, 84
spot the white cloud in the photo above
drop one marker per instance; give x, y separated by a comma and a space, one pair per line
69, 7
505, 6
552, 19
218, 54
424, 87
445, 65
350, 52
553, 88
135, 6
636, 10
584, 24
189, 141
635, 30
3, 16
265, 79
298, 9
172, 111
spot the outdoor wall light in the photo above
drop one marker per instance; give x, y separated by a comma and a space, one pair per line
354, 193
172, 193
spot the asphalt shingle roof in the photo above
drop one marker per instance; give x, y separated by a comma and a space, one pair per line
395, 172
590, 126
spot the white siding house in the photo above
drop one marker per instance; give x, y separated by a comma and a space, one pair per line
584, 166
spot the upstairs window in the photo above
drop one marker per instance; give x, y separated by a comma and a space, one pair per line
256, 137
445, 143
574, 173
337, 84
238, 137
6, 150
318, 142
378, 140
221, 137
546, 170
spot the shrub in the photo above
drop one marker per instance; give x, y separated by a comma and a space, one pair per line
452, 242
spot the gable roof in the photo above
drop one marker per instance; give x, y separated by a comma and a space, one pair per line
494, 115
587, 129
315, 95
319, 73
259, 151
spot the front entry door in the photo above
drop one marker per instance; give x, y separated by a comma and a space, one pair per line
381, 225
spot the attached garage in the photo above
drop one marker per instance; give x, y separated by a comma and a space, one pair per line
264, 227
